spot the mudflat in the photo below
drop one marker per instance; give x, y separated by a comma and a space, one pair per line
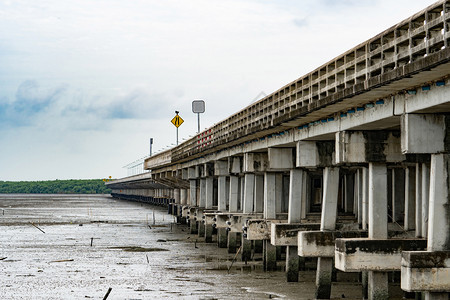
80, 246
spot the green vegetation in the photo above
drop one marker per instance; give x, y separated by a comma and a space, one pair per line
73, 186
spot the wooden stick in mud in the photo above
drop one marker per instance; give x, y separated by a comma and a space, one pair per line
3, 258
107, 294
232, 262
37, 227
62, 260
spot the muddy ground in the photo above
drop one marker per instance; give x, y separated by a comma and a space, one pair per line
77, 247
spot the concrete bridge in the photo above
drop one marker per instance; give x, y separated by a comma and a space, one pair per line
348, 164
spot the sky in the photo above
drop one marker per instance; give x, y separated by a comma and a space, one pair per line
85, 84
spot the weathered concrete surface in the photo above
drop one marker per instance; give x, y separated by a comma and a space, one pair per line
426, 271
259, 229
322, 243
355, 255
284, 234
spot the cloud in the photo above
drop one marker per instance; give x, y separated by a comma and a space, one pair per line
30, 101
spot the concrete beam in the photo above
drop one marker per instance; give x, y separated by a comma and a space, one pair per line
424, 133
255, 162
425, 271
382, 255
312, 154
280, 159
322, 243
285, 234
368, 146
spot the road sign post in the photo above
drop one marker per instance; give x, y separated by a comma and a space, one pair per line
177, 121
198, 107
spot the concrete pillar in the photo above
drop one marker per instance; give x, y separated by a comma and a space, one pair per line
398, 194
222, 193
439, 209
183, 196
295, 195
365, 198
294, 216
378, 281
209, 181
330, 198
378, 201
269, 196
208, 233
425, 198
234, 194
222, 239
278, 192
246, 249
232, 242
410, 195
202, 201
241, 193
270, 256
359, 195
249, 189
193, 191
419, 200
292, 263
328, 222
176, 196
259, 193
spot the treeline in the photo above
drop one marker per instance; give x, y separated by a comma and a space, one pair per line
73, 186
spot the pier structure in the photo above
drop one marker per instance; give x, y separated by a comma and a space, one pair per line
347, 166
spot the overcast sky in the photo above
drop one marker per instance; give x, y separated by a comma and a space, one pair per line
85, 84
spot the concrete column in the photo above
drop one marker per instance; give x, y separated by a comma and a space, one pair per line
425, 198
278, 192
246, 249
330, 198
410, 194
439, 209
328, 222
419, 200
232, 242
269, 196
193, 191
378, 281
365, 198
270, 256
241, 193
222, 193
202, 202
209, 181
259, 193
292, 263
176, 196
294, 216
222, 238
295, 195
378, 201
359, 195
208, 233
398, 194
234, 194
249, 189
183, 196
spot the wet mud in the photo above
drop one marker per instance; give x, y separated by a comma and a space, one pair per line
77, 247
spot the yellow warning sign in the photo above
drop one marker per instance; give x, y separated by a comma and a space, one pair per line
177, 121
